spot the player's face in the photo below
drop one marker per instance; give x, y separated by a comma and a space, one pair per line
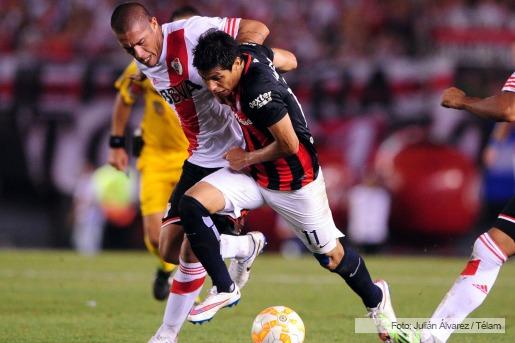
222, 82
143, 41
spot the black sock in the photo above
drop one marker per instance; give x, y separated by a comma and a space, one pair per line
353, 270
204, 241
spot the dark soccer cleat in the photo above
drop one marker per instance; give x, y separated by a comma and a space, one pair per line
161, 288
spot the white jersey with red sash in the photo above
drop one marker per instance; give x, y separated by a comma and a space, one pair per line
209, 126
509, 86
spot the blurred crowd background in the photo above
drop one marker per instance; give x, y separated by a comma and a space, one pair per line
370, 77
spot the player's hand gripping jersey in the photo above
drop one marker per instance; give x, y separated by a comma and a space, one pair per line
263, 99
209, 126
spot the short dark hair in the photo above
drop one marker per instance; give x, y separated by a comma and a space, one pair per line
184, 12
126, 14
215, 49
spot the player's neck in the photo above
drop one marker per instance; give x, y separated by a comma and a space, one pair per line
240, 72
160, 39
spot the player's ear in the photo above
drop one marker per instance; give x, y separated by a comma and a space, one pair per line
238, 63
153, 23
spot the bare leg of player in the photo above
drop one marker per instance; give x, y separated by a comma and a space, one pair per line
190, 276
152, 228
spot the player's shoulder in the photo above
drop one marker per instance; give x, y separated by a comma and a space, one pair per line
124, 80
183, 24
129, 70
255, 75
258, 85
195, 23
258, 73
260, 52
132, 68
259, 58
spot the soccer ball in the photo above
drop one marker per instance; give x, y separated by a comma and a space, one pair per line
278, 324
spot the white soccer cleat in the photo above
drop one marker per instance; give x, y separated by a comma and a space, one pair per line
164, 335
383, 314
239, 269
407, 336
215, 301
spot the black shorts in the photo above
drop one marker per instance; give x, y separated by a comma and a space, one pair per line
506, 219
191, 174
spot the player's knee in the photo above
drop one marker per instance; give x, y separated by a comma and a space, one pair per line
332, 259
323, 259
189, 209
151, 229
153, 240
326, 261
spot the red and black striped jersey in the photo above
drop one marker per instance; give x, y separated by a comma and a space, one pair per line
263, 99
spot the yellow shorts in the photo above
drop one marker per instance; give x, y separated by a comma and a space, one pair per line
155, 190
159, 173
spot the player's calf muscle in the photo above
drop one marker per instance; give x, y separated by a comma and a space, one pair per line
187, 254
152, 227
170, 241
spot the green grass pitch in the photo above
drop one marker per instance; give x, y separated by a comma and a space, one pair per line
58, 296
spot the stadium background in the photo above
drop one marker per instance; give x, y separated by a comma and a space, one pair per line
370, 76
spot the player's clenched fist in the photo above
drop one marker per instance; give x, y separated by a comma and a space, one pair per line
453, 98
237, 158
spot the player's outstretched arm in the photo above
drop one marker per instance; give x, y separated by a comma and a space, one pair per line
500, 107
284, 60
117, 156
252, 31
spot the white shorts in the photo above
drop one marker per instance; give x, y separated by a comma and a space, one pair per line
306, 210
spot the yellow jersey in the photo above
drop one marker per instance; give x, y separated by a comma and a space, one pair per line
164, 141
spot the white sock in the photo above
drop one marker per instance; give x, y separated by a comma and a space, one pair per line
470, 289
235, 246
186, 286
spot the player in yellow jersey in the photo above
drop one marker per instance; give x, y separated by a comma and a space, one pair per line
162, 156
160, 163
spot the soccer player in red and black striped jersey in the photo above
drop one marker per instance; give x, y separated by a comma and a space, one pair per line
265, 99
279, 166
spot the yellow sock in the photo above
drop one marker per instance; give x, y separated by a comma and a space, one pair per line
165, 266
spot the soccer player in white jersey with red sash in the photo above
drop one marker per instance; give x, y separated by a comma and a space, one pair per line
163, 54
491, 249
